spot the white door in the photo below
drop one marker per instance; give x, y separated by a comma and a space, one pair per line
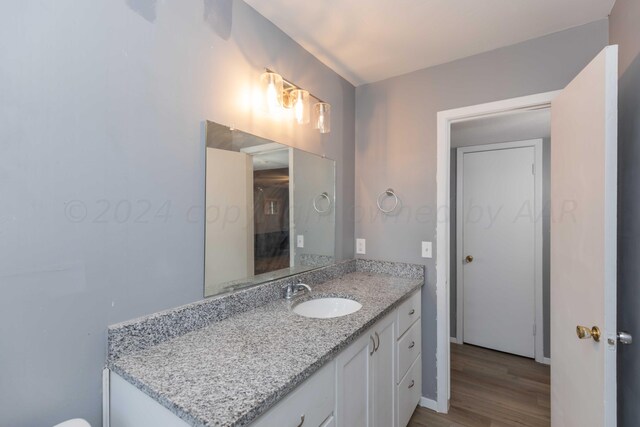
498, 255
232, 261
383, 370
583, 246
353, 383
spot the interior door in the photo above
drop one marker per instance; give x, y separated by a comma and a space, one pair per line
498, 230
583, 246
232, 261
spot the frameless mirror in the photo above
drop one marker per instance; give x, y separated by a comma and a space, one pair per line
270, 210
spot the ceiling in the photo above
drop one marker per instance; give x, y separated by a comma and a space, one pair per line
503, 128
367, 41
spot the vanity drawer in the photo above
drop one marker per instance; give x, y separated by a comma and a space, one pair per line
409, 391
408, 349
408, 312
314, 400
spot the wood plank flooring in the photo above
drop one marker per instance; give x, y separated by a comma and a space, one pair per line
492, 389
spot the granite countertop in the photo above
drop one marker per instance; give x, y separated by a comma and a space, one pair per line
231, 371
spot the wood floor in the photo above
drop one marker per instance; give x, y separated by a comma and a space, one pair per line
489, 388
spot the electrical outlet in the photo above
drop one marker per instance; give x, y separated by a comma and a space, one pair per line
300, 241
361, 246
426, 250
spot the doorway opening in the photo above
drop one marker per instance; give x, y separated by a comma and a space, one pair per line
490, 129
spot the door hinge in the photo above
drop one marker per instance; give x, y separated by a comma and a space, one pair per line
534, 329
533, 169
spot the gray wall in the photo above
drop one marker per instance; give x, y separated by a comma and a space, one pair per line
625, 31
312, 176
546, 223
102, 106
396, 142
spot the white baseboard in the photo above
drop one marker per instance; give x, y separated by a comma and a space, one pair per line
546, 361
428, 403
454, 340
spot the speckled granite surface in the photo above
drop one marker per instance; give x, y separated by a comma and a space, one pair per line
232, 370
144, 332
398, 269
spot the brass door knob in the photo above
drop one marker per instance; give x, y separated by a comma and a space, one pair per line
585, 333
468, 259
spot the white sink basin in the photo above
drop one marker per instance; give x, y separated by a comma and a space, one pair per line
326, 308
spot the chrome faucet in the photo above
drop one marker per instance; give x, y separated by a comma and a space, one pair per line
293, 289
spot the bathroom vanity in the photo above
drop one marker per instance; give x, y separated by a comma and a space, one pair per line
247, 358
287, 337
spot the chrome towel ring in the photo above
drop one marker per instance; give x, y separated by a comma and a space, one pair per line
387, 193
324, 195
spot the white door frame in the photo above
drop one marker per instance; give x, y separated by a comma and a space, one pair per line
538, 237
444, 121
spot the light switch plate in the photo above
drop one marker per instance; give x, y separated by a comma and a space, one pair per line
300, 241
361, 246
426, 250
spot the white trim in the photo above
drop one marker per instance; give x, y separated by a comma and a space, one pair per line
428, 403
459, 245
455, 340
293, 243
546, 361
106, 420
538, 237
444, 120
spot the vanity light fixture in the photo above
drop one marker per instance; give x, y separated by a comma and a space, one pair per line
281, 93
322, 117
300, 101
273, 89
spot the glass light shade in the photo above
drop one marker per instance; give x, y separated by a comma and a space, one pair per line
301, 109
272, 87
322, 117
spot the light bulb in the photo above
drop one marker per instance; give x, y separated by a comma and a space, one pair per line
301, 106
272, 87
272, 98
322, 117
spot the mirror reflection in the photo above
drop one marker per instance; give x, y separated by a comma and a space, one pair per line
270, 210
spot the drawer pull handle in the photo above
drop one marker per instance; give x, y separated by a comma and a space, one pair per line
413, 344
378, 338
412, 312
410, 385
373, 349
301, 421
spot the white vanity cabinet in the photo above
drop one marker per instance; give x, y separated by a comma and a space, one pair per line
379, 377
409, 359
374, 382
353, 383
383, 372
365, 378
311, 404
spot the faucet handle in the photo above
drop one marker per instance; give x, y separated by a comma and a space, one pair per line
288, 290
292, 289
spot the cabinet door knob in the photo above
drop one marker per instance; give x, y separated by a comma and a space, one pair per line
301, 421
412, 383
413, 344
412, 311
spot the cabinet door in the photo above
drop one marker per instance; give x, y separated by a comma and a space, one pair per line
383, 372
353, 383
